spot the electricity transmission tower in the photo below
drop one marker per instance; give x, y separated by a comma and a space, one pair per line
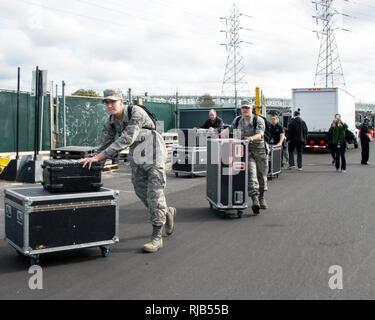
234, 77
329, 72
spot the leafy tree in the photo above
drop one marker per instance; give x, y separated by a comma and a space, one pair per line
86, 93
206, 101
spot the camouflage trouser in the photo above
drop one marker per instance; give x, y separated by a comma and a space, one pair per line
149, 182
258, 170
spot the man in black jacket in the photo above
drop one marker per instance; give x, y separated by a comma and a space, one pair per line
297, 137
365, 141
214, 122
330, 144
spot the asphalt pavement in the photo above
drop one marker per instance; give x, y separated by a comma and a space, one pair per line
318, 218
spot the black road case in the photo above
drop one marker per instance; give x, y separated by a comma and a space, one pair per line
274, 161
73, 152
189, 160
193, 137
38, 222
227, 174
62, 176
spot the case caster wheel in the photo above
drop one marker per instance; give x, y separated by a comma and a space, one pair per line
105, 252
222, 214
35, 261
19, 253
240, 214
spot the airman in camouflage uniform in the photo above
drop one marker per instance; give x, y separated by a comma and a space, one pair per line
147, 155
258, 155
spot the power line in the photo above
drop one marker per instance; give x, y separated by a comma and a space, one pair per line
137, 16
73, 13
185, 10
118, 25
360, 13
359, 3
124, 13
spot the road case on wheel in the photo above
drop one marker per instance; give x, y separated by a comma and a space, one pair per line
227, 174
189, 160
274, 161
38, 222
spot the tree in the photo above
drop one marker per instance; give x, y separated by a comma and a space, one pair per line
86, 93
206, 101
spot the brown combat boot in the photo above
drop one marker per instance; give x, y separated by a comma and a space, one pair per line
262, 202
170, 225
156, 242
256, 205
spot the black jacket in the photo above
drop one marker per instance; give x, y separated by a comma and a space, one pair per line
364, 131
329, 136
217, 124
297, 130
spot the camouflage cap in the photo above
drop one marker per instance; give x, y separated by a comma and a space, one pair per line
246, 104
113, 94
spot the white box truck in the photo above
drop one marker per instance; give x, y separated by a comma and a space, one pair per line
318, 109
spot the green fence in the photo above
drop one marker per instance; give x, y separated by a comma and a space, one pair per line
84, 121
165, 112
8, 120
85, 118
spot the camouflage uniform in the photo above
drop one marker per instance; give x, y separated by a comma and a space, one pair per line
258, 156
147, 155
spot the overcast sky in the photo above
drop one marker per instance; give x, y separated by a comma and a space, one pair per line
161, 46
